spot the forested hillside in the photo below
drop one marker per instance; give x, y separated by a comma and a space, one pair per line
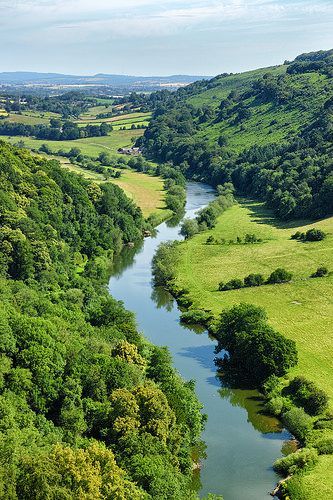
268, 131
88, 408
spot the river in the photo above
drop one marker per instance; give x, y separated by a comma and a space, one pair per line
241, 443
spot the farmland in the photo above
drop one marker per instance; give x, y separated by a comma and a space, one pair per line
90, 146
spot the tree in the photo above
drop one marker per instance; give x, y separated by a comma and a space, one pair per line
254, 350
280, 275
189, 228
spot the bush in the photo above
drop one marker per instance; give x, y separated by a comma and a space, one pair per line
298, 422
275, 406
320, 273
251, 238
280, 275
324, 446
300, 460
314, 235
254, 280
164, 263
307, 395
195, 317
311, 235
189, 228
233, 284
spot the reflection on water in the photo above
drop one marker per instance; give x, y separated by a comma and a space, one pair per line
254, 405
242, 442
162, 298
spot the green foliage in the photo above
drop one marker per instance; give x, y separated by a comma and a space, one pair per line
268, 131
255, 351
164, 263
280, 275
295, 462
298, 422
233, 284
254, 280
306, 394
320, 273
313, 234
195, 317
77, 380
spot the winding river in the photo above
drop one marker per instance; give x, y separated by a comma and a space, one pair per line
241, 443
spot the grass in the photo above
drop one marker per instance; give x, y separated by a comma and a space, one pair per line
301, 310
90, 146
317, 484
32, 117
146, 191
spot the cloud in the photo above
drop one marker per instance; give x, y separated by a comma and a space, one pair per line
112, 19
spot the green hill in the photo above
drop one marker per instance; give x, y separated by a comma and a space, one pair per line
268, 131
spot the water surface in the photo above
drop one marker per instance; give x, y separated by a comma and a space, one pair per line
241, 443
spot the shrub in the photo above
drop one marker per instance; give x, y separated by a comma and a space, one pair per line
321, 271
314, 235
324, 446
254, 280
189, 228
298, 422
195, 316
280, 275
275, 405
306, 394
300, 460
233, 284
210, 240
251, 238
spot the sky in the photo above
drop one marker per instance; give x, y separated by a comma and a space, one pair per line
154, 37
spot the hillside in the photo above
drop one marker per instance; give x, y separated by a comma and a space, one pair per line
89, 408
268, 131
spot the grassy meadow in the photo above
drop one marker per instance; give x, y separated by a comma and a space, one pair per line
90, 146
301, 310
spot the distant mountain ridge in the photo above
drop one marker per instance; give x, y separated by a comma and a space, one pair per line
27, 77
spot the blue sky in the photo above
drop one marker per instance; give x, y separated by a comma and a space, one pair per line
150, 37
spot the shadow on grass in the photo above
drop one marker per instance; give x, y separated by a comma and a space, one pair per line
263, 215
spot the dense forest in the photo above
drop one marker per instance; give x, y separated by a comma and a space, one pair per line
89, 408
269, 132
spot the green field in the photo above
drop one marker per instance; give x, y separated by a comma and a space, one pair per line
32, 117
90, 146
146, 191
301, 310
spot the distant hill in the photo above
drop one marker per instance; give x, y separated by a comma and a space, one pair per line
28, 78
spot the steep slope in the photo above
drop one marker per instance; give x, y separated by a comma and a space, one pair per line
88, 408
268, 131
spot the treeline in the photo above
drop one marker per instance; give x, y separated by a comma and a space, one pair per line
68, 105
294, 176
88, 407
57, 131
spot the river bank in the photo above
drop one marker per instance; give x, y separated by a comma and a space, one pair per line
242, 442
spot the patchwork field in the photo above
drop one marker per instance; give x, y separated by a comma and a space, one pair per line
302, 309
